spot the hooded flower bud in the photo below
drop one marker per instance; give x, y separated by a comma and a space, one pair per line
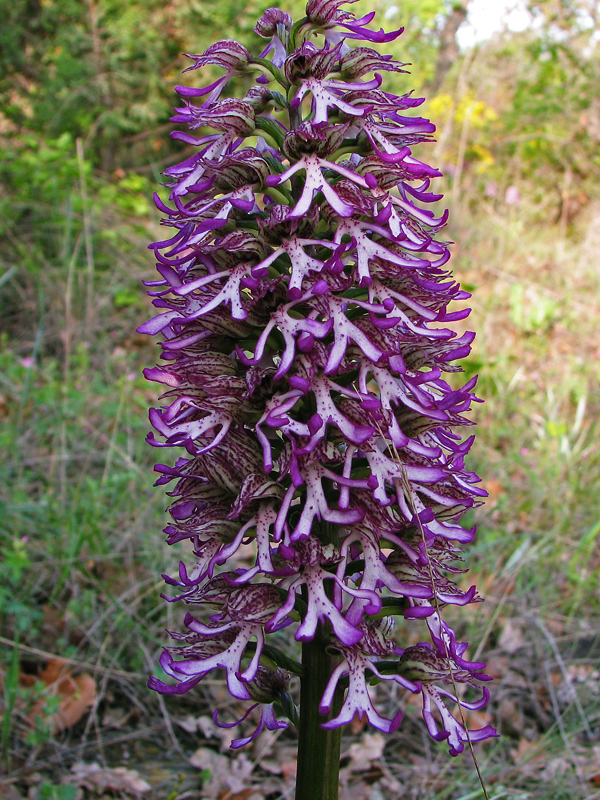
310, 62
229, 116
307, 138
360, 60
278, 226
267, 24
325, 12
244, 168
423, 664
259, 98
268, 685
227, 53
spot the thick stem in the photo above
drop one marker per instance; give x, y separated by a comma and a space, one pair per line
318, 749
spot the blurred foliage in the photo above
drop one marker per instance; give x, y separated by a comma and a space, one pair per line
543, 125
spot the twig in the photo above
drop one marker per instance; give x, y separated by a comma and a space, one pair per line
116, 673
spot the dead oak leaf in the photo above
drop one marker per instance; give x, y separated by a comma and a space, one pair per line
99, 779
363, 753
76, 694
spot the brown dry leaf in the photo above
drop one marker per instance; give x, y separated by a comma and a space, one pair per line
369, 749
227, 777
581, 673
9, 792
189, 723
115, 718
510, 716
556, 625
289, 770
591, 764
207, 758
494, 488
497, 666
511, 639
556, 677
270, 765
26, 680
357, 791
76, 694
204, 725
478, 719
521, 752
357, 725
57, 625
99, 779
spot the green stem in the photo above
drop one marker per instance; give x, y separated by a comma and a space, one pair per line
318, 749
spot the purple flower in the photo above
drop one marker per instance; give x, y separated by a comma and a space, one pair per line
305, 309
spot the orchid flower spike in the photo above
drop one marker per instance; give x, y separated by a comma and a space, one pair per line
305, 308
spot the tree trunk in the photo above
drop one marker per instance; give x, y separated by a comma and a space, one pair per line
448, 51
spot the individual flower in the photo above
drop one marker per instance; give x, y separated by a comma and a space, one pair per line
306, 314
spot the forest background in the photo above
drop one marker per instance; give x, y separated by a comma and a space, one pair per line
86, 89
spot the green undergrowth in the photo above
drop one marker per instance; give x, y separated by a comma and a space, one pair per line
79, 519
535, 306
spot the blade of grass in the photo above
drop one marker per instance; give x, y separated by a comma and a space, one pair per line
11, 682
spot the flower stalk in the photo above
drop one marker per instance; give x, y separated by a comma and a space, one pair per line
318, 766
306, 317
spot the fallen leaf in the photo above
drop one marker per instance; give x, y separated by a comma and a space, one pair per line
357, 725
510, 716
270, 765
556, 625
357, 791
189, 723
497, 666
206, 758
225, 776
494, 489
521, 752
76, 693
478, 719
9, 792
99, 779
369, 749
115, 718
556, 677
57, 625
511, 639
289, 770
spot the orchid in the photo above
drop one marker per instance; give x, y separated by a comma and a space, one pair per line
304, 307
